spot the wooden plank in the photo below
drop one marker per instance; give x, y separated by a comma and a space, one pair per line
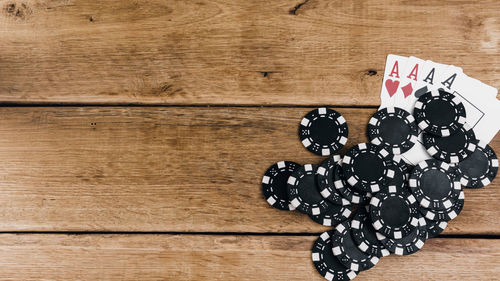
232, 51
166, 169
200, 257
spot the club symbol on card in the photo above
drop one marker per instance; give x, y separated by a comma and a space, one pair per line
420, 91
407, 90
391, 86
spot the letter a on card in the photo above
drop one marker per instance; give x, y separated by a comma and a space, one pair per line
391, 85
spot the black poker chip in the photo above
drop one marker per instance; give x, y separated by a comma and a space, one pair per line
364, 235
367, 167
303, 193
345, 190
410, 243
434, 228
451, 149
445, 215
394, 129
325, 179
344, 248
326, 263
274, 184
323, 131
480, 168
435, 185
333, 215
439, 113
394, 213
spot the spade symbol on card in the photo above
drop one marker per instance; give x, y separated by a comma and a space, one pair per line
391, 86
420, 91
407, 90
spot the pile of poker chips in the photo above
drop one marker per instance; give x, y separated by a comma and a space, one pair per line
378, 204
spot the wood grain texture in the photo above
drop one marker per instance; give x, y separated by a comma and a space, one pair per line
207, 257
186, 169
232, 51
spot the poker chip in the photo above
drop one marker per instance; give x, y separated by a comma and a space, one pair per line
410, 243
434, 228
345, 190
325, 181
344, 248
303, 193
403, 166
326, 263
274, 184
367, 167
364, 235
480, 168
434, 185
439, 113
333, 215
394, 213
394, 129
323, 131
445, 215
454, 148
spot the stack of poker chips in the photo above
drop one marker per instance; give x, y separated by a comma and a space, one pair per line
374, 201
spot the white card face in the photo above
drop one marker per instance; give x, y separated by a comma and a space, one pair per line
481, 105
411, 75
391, 85
428, 76
417, 153
447, 77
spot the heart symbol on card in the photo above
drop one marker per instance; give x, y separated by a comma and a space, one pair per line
391, 86
420, 91
407, 90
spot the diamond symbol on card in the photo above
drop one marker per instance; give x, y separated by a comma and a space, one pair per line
407, 90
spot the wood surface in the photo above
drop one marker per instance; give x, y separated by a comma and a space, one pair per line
196, 169
221, 257
134, 134
232, 51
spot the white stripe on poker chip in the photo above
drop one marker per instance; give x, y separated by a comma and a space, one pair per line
374, 201
414, 221
432, 150
457, 186
327, 222
291, 180
374, 187
306, 142
392, 189
308, 167
419, 244
398, 235
430, 215
396, 150
373, 121
471, 147
447, 204
322, 110
455, 100
464, 181
384, 152
452, 214
336, 251
271, 200
380, 237
485, 181
494, 162
291, 207
385, 252
356, 199
345, 202
346, 213
315, 211
467, 127
363, 247
355, 224
354, 266
462, 195
434, 93
390, 173
336, 158
444, 166
340, 228
411, 198
346, 159
461, 120
325, 236
341, 119
481, 144
454, 159
338, 184
410, 119
305, 122
281, 164
374, 260
376, 141
361, 146
325, 152
413, 138
398, 251
425, 203
418, 105
351, 275
413, 182
343, 140
321, 171
390, 109
423, 125
423, 164
328, 276
443, 224
445, 132
295, 202
265, 179
315, 257
352, 180
377, 225
325, 193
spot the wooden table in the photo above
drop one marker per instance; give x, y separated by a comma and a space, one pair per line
134, 133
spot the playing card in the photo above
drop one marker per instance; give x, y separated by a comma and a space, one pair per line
480, 102
447, 77
428, 75
394, 66
411, 76
417, 153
